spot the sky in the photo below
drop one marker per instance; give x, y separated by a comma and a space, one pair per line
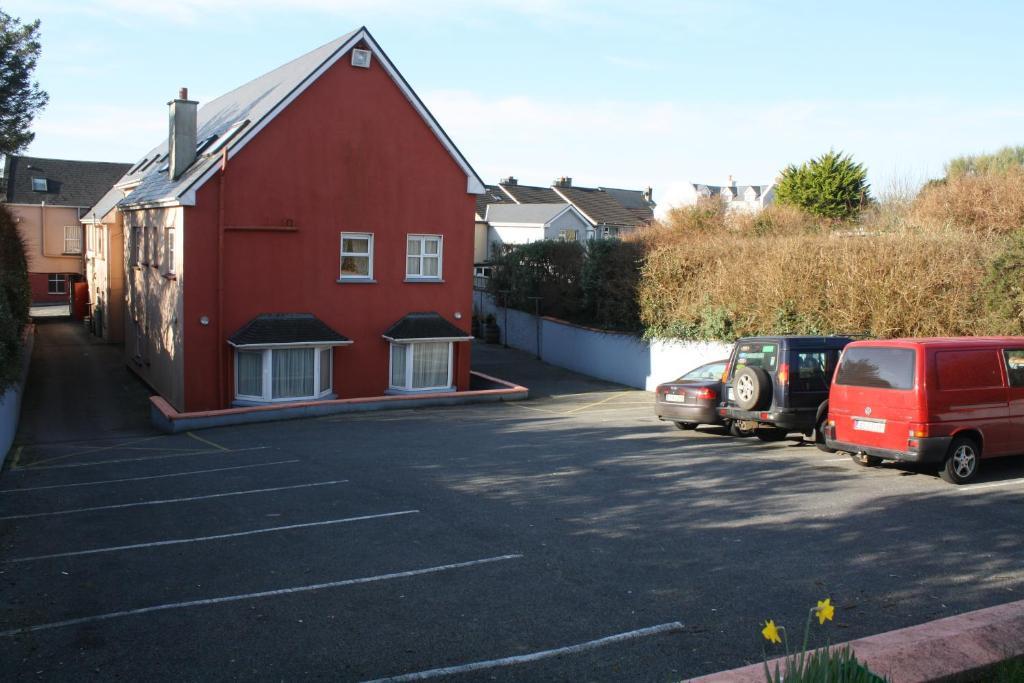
618, 94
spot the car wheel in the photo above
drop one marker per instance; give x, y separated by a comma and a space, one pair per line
740, 432
819, 435
752, 388
686, 426
771, 434
865, 460
961, 461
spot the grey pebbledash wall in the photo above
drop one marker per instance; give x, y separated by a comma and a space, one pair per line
10, 400
616, 357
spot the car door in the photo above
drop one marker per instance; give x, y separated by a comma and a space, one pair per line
809, 377
1014, 360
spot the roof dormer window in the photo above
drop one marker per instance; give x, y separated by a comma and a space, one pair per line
39, 185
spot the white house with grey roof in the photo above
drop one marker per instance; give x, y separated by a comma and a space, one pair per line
525, 223
743, 198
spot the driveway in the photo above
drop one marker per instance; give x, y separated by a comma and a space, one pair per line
568, 537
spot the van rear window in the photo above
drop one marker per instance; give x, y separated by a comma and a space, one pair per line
878, 367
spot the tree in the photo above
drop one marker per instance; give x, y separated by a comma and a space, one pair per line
1000, 161
20, 97
832, 186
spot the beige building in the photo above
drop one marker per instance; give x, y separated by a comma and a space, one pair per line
48, 198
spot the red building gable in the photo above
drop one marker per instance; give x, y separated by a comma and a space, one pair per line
347, 205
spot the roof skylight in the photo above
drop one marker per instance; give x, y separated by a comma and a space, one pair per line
226, 137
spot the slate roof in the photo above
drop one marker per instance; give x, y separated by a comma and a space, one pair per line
251, 102
492, 195
424, 326
104, 205
634, 201
286, 328
69, 183
732, 192
537, 214
599, 206
530, 194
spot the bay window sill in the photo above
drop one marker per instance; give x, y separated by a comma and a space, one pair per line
396, 391
250, 403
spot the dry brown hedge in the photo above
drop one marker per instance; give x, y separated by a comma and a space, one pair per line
921, 268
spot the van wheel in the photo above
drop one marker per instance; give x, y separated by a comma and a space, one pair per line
686, 426
819, 435
865, 460
771, 434
752, 388
961, 461
740, 432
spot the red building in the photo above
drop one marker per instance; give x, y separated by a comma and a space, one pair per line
308, 235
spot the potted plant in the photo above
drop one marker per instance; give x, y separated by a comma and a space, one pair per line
492, 333
477, 327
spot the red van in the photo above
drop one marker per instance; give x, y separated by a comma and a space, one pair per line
949, 401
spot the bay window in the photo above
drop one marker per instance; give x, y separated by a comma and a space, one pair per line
282, 374
421, 366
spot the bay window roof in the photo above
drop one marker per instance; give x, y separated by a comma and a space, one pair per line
280, 329
424, 327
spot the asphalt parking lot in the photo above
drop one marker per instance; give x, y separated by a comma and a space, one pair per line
573, 532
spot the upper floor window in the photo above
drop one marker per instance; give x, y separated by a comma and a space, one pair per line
423, 257
356, 256
169, 250
72, 239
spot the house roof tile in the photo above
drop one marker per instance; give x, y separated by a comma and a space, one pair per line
286, 328
425, 326
537, 214
68, 182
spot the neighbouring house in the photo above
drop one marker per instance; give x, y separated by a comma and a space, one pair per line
305, 236
48, 197
746, 198
104, 265
525, 223
607, 211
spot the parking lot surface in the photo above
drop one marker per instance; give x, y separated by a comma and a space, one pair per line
572, 536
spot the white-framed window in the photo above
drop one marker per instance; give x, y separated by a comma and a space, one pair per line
140, 340
169, 250
101, 235
72, 239
294, 373
56, 283
144, 245
356, 256
420, 366
423, 257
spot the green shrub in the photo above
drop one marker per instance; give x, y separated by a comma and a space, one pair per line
15, 298
832, 186
1000, 161
1004, 287
611, 273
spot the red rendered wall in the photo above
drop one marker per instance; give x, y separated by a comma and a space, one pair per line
349, 154
40, 285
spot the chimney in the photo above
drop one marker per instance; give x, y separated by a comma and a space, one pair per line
511, 180
731, 182
181, 140
564, 181
649, 195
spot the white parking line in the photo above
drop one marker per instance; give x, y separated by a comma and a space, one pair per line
32, 468
533, 657
172, 500
153, 476
217, 537
971, 487
253, 596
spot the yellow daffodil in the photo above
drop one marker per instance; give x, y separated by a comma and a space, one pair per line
825, 610
771, 632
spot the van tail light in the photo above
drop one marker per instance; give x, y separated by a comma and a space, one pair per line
725, 373
783, 373
706, 394
918, 431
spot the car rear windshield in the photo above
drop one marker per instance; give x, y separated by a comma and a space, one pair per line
757, 355
879, 367
712, 371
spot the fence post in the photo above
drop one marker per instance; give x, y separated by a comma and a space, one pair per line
536, 320
504, 304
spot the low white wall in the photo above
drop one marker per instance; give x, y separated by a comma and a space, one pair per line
616, 357
10, 400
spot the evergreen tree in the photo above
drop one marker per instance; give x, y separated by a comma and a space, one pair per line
20, 97
832, 186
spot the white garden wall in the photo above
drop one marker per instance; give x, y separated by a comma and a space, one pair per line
616, 357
